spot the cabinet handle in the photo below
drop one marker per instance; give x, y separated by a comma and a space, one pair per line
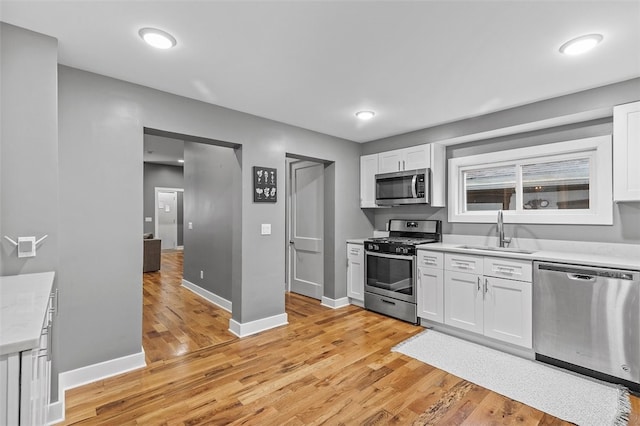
478, 283
399, 166
403, 165
461, 265
486, 285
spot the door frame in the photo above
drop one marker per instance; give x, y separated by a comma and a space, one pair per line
289, 160
157, 189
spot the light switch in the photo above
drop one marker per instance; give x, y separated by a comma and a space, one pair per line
266, 229
190, 225
148, 219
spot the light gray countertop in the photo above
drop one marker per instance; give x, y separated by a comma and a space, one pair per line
608, 260
23, 308
357, 240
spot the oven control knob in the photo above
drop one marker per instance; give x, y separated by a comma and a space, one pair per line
376, 247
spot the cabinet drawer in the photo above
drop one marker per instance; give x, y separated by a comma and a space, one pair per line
463, 263
354, 249
430, 259
513, 269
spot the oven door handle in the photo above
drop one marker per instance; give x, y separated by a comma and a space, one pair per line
391, 256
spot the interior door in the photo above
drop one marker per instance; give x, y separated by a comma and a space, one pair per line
306, 249
167, 219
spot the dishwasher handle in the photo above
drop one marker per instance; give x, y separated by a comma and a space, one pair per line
586, 272
581, 277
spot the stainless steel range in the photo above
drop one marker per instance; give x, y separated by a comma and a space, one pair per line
390, 267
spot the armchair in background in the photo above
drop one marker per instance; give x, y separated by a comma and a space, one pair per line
152, 251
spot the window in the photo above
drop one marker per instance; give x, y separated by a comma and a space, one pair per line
566, 182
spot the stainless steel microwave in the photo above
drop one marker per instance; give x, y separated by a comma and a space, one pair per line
406, 187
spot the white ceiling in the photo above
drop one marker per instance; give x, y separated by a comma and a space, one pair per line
313, 64
163, 150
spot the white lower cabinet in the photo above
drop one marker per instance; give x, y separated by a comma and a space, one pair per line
25, 381
355, 271
487, 295
430, 291
464, 306
508, 311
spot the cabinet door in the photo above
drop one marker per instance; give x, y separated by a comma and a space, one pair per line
368, 171
355, 271
390, 161
507, 311
626, 152
431, 294
463, 301
416, 157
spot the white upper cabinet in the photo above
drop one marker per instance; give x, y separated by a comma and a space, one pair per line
368, 171
626, 152
414, 157
428, 156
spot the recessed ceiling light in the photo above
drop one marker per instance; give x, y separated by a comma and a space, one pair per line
157, 38
365, 115
581, 44
180, 161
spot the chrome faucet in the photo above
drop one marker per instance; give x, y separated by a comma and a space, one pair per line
502, 241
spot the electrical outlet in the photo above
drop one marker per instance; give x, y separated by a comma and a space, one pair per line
201, 275
190, 225
265, 229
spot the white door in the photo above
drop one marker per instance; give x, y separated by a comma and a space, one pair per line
431, 294
508, 311
355, 271
390, 161
463, 304
307, 228
417, 157
167, 219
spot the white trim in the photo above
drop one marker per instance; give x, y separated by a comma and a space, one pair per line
89, 374
598, 149
335, 303
253, 327
579, 117
207, 295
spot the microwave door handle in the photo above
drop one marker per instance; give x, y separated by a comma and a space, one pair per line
414, 186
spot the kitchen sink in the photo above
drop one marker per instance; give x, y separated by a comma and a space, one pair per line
503, 249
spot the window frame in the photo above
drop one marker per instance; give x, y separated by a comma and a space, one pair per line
600, 212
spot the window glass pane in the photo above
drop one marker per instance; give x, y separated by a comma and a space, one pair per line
490, 189
556, 185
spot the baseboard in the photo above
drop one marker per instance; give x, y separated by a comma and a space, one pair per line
335, 303
89, 374
209, 296
253, 327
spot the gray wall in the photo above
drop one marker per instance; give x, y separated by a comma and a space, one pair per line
29, 153
29, 147
212, 178
626, 216
101, 125
164, 176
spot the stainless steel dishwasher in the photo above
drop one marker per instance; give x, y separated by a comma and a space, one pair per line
588, 318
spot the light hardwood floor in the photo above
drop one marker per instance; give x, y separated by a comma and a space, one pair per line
327, 366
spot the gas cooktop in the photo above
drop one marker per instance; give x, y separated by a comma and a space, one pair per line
405, 235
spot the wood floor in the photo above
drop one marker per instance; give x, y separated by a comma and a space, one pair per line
327, 366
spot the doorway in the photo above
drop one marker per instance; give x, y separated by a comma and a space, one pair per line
168, 216
306, 227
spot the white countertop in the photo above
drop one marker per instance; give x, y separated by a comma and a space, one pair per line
357, 240
609, 260
23, 308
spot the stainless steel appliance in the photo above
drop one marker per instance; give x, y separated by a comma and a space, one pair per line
406, 187
390, 267
587, 319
